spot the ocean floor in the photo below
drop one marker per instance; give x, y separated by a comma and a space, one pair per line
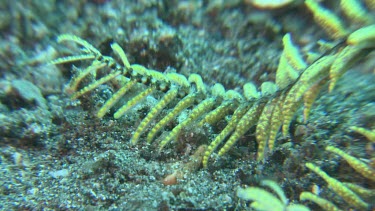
55, 154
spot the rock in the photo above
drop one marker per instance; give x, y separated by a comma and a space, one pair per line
21, 94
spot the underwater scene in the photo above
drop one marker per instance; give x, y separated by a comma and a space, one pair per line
187, 105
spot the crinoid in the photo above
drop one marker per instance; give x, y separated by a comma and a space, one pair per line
265, 200
269, 109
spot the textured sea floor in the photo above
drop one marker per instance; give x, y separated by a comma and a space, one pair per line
56, 155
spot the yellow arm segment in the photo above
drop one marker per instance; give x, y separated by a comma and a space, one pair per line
167, 98
323, 203
114, 99
199, 110
326, 19
184, 103
132, 102
338, 187
361, 167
